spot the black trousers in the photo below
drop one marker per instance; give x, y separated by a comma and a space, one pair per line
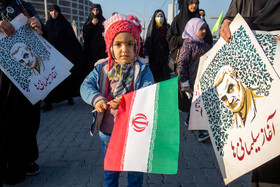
19, 124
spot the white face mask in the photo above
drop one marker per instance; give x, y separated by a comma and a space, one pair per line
159, 19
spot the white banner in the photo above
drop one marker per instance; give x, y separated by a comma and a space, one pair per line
30, 62
236, 100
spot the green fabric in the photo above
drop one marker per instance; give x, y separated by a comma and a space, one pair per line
164, 150
218, 23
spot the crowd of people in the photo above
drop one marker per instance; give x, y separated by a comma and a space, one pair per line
111, 60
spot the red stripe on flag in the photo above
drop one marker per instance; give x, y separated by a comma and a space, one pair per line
115, 153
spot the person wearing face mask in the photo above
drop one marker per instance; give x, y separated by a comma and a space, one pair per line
94, 43
156, 46
189, 9
19, 119
61, 35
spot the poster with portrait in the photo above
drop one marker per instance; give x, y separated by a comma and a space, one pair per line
30, 62
236, 100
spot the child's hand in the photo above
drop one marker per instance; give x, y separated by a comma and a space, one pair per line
101, 106
114, 104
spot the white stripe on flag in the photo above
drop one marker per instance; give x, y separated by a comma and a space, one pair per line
138, 143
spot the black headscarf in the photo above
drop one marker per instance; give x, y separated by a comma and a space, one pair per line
153, 26
99, 16
55, 7
55, 25
156, 36
180, 3
185, 15
61, 35
59, 19
156, 47
174, 34
94, 43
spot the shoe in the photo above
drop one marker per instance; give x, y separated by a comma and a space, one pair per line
47, 107
71, 101
203, 136
32, 169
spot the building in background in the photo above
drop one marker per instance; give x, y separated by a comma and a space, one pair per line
172, 12
75, 11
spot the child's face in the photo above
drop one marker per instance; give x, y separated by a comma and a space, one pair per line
202, 32
124, 47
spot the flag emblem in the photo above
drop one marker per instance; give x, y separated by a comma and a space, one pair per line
139, 122
146, 132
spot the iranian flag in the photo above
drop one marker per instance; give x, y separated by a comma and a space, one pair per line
146, 133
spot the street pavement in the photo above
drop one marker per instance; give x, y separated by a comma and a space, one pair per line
71, 157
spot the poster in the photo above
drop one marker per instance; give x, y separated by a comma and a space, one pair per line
236, 100
30, 62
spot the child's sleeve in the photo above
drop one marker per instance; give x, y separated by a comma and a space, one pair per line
147, 78
183, 62
90, 90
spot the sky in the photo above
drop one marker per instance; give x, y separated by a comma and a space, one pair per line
144, 9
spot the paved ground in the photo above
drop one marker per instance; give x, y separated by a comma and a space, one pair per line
69, 156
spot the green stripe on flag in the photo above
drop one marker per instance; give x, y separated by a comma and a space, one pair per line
164, 150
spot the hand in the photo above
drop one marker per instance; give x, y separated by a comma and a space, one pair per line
101, 106
34, 23
147, 57
94, 21
7, 28
278, 38
224, 30
114, 104
187, 89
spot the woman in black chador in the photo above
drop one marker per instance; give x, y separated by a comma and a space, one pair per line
19, 119
156, 46
61, 35
94, 43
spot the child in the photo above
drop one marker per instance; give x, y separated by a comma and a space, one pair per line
121, 73
187, 64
